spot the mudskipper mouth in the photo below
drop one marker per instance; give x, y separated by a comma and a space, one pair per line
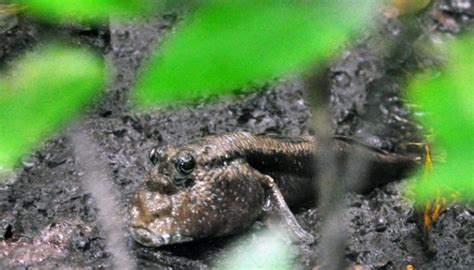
148, 238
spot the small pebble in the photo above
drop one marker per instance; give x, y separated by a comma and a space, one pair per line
27, 165
381, 224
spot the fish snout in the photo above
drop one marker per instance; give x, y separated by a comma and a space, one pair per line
149, 218
147, 238
149, 206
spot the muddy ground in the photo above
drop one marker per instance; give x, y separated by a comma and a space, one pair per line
47, 220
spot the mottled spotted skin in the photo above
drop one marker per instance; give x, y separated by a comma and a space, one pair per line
232, 178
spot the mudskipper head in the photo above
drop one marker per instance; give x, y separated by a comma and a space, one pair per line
189, 194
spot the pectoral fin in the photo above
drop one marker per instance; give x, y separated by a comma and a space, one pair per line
277, 204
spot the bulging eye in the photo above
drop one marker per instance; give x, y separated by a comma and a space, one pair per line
185, 163
154, 156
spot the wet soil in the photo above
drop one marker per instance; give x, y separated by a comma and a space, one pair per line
47, 220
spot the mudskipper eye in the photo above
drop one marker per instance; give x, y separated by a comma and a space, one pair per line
185, 163
153, 156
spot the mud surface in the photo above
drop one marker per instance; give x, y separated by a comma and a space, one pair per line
47, 220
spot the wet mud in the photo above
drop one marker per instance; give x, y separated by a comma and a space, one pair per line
48, 220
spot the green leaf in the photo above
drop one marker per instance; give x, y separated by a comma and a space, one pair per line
448, 96
44, 90
269, 249
85, 9
225, 45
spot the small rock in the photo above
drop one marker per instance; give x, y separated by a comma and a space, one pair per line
28, 165
381, 224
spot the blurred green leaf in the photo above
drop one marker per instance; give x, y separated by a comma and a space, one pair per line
85, 9
448, 96
44, 89
227, 44
269, 249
